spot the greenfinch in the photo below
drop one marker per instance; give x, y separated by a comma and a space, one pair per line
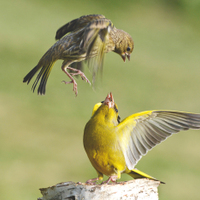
84, 38
115, 147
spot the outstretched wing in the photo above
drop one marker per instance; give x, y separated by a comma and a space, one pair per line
96, 43
140, 132
76, 24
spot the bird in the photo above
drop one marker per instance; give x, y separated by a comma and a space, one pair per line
115, 147
86, 38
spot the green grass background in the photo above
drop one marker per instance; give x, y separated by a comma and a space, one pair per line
41, 136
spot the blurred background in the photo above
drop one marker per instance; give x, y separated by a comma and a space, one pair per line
41, 136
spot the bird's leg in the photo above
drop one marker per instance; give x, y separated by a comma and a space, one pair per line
72, 81
92, 181
79, 72
111, 178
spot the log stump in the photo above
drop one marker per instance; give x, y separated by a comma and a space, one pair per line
138, 189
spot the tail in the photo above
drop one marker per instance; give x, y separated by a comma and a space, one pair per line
135, 173
45, 66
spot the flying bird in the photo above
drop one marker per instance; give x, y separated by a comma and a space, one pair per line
84, 38
115, 147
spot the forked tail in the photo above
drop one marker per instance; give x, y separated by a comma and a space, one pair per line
45, 66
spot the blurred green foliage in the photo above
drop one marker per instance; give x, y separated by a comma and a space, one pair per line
41, 136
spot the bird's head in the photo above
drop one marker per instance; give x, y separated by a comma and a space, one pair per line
124, 45
108, 107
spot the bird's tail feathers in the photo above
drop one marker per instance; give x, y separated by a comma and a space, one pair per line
30, 75
135, 173
43, 75
45, 69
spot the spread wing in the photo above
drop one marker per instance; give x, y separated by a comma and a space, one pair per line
140, 132
76, 24
96, 43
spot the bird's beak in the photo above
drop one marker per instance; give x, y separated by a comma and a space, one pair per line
109, 101
126, 55
123, 57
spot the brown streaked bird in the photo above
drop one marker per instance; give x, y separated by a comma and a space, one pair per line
87, 37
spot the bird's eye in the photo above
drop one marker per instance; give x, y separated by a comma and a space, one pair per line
128, 49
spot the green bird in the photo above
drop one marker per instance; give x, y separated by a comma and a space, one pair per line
115, 147
90, 36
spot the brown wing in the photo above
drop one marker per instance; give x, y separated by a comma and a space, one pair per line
76, 24
96, 43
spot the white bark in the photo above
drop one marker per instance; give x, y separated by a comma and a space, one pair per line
138, 189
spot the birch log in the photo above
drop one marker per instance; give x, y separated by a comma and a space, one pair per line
139, 189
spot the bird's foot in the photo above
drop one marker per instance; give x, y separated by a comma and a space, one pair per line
75, 88
111, 178
92, 181
79, 72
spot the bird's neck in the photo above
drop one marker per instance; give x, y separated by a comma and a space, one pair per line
107, 116
116, 35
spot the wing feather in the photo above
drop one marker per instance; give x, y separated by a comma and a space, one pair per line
76, 25
145, 130
95, 42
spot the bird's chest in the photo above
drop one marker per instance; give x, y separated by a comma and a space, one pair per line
104, 151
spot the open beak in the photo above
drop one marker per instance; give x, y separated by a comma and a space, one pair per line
125, 55
109, 101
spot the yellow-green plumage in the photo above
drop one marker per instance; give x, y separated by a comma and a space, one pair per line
97, 139
115, 147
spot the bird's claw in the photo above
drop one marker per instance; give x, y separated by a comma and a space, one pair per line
82, 75
111, 178
92, 181
75, 88
79, 72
